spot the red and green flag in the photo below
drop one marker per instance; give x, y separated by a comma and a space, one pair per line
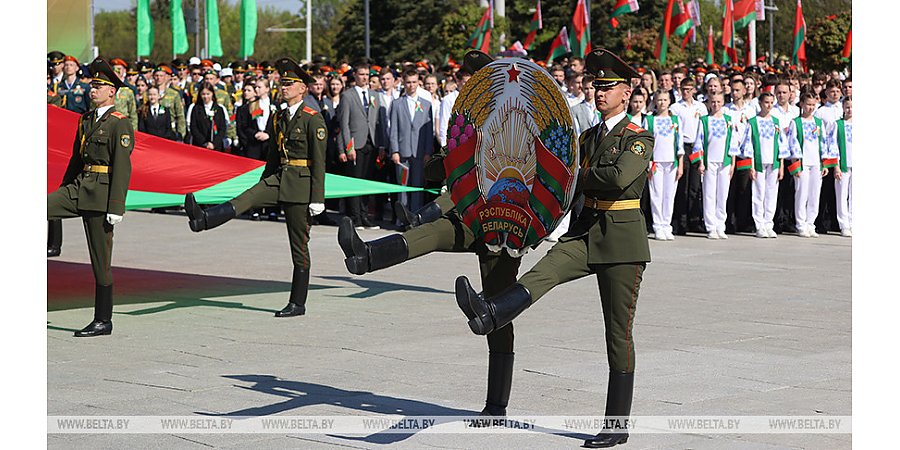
845, 54
729, 52
798, 57
481, 37
164, 170
676, 22
681, 19
622, 7
559, 46
744, 13
710, 48
536, 24
580, 34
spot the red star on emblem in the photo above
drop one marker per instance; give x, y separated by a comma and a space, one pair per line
513, 73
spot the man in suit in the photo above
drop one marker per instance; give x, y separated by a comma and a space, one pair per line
95, 185
608, 240
412, 139
363, 121
294, 179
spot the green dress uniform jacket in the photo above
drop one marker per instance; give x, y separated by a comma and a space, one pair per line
107, 142
126, 104
616, 168
302, 137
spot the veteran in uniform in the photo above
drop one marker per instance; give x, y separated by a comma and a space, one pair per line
125, 102
437, 227
608, 239
170, 97
294, 179
95, 185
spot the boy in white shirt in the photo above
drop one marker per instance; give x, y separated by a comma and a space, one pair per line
764, 143
667, 166
718, 141
841, 142
688, 195
810, 157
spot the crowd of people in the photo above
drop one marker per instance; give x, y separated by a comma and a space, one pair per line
759, 149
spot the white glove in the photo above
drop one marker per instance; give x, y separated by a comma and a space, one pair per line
113, 219
494, 248
226, 142
517, 253
316, 208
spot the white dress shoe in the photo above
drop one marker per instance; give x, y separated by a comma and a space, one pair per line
712, 235
722, 234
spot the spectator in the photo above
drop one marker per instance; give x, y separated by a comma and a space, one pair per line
206, 120
251, 122
154, 118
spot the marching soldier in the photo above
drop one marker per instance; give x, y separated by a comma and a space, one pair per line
95, 184
608, 240
294, 179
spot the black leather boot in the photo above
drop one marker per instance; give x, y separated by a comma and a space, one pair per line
493, 313
618, 409
206, 219
102, 323
54, 237
363, 257
299, 287
500, 371
428, 213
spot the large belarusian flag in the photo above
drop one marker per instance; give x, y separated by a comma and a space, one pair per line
744, 13
536, 24
622, 7
580, 34
481, 37
798, 57
710, 48
164, 171
729, 52
845, 54
559, 46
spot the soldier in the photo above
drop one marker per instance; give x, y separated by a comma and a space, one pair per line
437, 227
170, 97
125, 102
95, 185
294, 178
74, 92
608, 240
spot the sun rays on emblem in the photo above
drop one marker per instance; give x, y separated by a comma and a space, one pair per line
509, 145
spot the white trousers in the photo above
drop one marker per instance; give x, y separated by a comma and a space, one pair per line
765, 197
843, 191
806, 197
662, 196
715, 194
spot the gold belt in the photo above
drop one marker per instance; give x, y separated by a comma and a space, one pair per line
95, 168
612, 205
295, 162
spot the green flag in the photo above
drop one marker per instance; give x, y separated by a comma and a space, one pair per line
212, 32
179, 35
144, 28
248, 27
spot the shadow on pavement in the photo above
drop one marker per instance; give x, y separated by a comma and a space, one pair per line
299, 394
373, 287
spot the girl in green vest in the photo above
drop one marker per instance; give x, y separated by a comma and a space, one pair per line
667, 166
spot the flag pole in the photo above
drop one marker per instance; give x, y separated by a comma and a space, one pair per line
752, 41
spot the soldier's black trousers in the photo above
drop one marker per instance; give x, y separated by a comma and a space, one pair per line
60, 205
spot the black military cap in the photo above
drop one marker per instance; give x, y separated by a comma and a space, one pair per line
267, 67
179, 64
291, 71
238, 67
476, 59
608, 69
146, 67
55, 57
102, 72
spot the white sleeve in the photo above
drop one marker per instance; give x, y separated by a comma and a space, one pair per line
446, 108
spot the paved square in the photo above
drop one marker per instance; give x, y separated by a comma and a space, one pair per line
747, 326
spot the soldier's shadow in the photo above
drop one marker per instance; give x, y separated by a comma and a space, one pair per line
71, 285
299, 394
375, 287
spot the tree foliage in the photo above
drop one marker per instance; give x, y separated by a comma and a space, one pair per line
825, 41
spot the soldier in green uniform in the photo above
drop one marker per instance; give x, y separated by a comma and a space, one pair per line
95, 184
439, 228
125, 102
294, 179
608, 240
170, 97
